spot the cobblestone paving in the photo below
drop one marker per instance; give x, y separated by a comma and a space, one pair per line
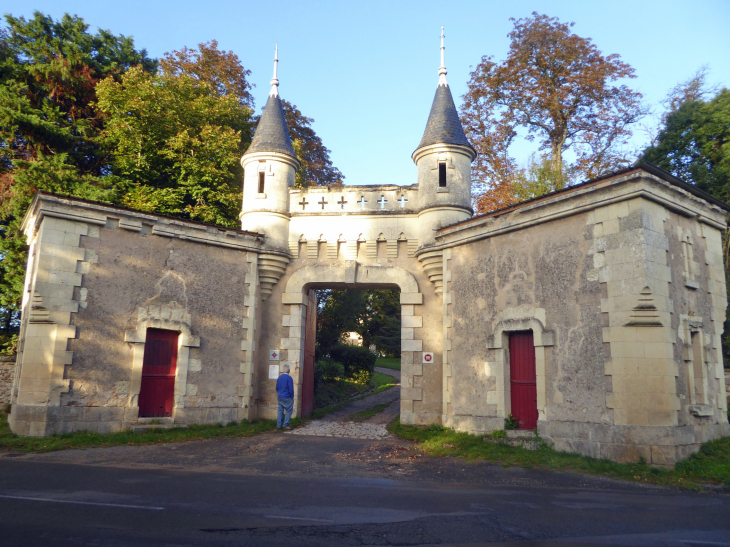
336, 424
354, 430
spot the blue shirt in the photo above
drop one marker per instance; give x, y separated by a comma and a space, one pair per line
285, 387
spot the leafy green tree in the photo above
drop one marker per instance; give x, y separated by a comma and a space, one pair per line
177, 142
338, 311
374, 314
694, 144
537, 179
49, 125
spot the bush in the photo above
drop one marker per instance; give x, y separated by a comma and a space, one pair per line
328, 370
359, 362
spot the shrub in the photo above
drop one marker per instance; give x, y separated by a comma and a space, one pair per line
359, 362
327, 370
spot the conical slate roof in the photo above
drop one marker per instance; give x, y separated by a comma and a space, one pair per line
444, 126
272, 133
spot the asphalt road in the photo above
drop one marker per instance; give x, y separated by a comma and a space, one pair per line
110, 503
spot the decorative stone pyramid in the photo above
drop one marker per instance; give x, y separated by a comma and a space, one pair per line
645, 314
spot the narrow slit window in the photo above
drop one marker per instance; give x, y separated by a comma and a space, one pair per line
262, 176
442, 175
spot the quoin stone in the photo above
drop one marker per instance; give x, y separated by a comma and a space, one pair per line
611, 293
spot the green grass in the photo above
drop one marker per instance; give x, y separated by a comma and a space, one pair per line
710, 465
382, 382
368, 413
82, 439
388, 362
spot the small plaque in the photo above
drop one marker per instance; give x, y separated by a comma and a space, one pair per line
273, 372
274, 355
427, 358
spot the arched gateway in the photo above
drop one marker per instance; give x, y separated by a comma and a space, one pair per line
595, 312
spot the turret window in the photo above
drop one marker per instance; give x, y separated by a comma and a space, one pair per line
442, 175
262, 178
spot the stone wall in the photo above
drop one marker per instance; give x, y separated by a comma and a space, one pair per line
7, 371
621, 282
100, 277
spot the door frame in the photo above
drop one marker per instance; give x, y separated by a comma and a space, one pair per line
159, 317
519, 319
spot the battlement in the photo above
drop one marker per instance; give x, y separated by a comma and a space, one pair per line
354, 200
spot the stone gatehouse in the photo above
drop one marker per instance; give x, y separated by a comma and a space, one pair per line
593, 314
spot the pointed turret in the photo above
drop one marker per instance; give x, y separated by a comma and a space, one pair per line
444, 159
270, 165
272, 133
443, 126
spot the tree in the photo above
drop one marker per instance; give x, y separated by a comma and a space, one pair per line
558, 88
49, 125
374, 314
316, 167
222, 70
694, 144
537, 179
178, 142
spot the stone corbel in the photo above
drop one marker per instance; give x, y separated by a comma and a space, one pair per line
271, 267
433, 267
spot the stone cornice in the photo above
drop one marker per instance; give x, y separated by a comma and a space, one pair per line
49, 205
634, 184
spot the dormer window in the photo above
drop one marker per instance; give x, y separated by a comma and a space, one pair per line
442, 174
262, 178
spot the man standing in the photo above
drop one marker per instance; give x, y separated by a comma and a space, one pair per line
285, 393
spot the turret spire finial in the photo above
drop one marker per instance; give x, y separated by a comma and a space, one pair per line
274, 82
442, 69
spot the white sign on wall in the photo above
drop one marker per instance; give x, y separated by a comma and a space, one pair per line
274, 355
273, 372
427, 358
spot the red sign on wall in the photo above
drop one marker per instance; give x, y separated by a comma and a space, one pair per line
428, 358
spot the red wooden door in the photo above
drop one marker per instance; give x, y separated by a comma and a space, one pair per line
310, 337
523, 380
158, 374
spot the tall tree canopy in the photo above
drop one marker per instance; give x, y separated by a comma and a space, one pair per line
49, 126
178, 143
557, 88
694, 143
88, 115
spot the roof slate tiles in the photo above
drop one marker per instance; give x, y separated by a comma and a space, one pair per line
272, 133
444, 126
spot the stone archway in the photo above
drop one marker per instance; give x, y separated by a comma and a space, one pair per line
354, 276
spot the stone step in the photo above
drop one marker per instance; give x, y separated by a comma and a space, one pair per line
520, 433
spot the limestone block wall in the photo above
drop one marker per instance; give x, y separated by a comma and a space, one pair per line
621, 282
524, 280
132, 271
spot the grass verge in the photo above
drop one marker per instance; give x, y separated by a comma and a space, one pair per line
368, 413
382, 382
388, 362
710, 466
84, 439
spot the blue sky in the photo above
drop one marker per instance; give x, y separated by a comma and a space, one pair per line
367, 71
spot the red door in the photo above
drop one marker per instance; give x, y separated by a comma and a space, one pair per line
158, 374
310, 337
523, 380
